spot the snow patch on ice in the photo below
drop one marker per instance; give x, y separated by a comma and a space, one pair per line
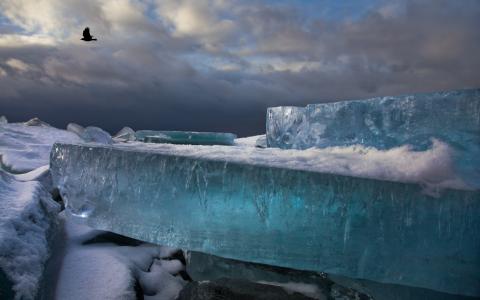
249, 141
434, 168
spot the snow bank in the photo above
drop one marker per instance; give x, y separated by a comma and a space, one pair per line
24, 148
27, 214
96, 268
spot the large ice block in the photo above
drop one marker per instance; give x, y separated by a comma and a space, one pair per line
386, 122
186, 137
213, 199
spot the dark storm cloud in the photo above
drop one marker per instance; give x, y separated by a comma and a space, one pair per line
216, 65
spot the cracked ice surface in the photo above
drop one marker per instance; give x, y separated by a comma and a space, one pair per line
412, 223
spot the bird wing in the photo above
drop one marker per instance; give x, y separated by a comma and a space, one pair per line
86, 32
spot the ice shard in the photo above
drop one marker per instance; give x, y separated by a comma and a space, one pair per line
125, 134
385, 122
36, 122
96, 135
75, 128
186, 137
261, 142
237, 202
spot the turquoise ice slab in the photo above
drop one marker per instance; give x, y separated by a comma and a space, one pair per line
186, 137
362, 228
386, 122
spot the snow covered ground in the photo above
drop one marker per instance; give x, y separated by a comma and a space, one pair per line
27, 215
24, 148
101, 265
85, 263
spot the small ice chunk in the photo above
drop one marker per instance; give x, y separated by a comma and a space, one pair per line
125, 134
36, 122
93, 134
75, 128
261, 142
3, 120
249, 141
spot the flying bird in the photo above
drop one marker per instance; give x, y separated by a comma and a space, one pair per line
86, 35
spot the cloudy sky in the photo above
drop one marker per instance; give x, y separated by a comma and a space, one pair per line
215, 65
